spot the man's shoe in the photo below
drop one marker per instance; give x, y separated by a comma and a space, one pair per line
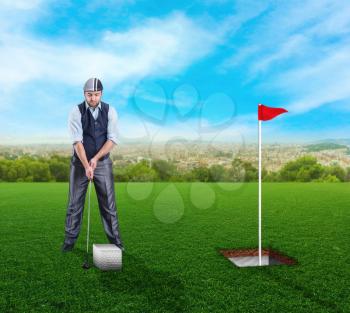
67, 247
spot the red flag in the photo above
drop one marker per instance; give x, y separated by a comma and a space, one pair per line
266, 113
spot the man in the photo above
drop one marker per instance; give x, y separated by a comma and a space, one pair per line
93, 130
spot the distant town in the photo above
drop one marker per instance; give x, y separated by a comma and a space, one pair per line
189, 156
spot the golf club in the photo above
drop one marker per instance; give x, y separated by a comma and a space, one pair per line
86, 265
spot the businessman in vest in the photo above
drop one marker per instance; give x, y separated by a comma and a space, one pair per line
93, 130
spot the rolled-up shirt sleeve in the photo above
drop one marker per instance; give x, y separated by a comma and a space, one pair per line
74, 125
112, 129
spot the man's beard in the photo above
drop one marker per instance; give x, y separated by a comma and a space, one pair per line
92, 103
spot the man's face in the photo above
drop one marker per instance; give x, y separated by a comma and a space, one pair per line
93, 97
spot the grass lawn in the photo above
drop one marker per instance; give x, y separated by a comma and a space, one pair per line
172, 265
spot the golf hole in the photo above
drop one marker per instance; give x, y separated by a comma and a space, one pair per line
250, 257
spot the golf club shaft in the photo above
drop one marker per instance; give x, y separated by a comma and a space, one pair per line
88, 224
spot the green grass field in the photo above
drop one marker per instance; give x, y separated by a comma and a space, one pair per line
175, 267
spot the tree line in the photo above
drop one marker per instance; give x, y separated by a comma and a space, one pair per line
56, 168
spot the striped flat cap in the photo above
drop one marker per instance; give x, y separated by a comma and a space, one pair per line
93, 84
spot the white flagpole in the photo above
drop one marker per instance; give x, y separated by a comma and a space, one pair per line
259, 192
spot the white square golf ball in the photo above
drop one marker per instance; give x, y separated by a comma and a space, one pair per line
107, 257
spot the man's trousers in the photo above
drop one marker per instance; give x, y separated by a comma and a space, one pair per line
104, 186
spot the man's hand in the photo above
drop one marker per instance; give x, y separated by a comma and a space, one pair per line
106, 148
89, 172
93, 163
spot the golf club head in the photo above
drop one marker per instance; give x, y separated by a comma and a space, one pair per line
86, 265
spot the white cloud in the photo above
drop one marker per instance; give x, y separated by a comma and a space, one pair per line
293, 46
161, 45
325, 82
300, 50
156, 47
16, 15
20, 4
166, 46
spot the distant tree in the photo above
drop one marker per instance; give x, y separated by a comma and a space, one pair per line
237, 171
164, 169
331, 179
242, 171
3, 170
121, 174
11, 174
29, 179
337, 171
189, 176
59, 170
21, 169
216, 173
347, 176
327, 179
178, 177
271, 177
251, 172
41, 171
201, 173
142, 172
303, 169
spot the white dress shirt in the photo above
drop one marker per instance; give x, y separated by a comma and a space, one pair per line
76, 130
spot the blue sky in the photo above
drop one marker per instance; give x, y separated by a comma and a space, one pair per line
184, 69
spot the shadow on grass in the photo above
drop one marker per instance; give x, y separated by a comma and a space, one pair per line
152, 290
289, 282
271, 273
